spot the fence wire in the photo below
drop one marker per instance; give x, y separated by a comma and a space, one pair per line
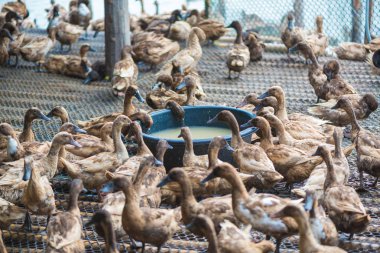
343, 20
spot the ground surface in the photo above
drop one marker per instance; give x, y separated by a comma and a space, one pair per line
22, 88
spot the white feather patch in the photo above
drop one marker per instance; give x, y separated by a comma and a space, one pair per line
83, 10
269, 201
12, 146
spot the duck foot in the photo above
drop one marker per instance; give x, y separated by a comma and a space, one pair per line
159, 249
27, 226
351, 236
361, 190
278, 244
375, 183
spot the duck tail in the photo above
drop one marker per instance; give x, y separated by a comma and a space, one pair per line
237, 63
319, 111
361, 220
69, 168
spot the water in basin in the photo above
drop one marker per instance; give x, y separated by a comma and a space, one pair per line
197, 132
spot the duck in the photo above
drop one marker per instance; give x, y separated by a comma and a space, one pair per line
351, 51
18, 6
294, 164
163, 25
11, 184
367, 145
250, 159
81, 15
307, 145
10, 213
158, 98
179, 30
103, 226
64, 230
188, 57
27, 134
37, 49
314, 184
307, 241
341, 201
97, 26
238, 56
147, 225
373, 61
230, 239
218, 209
93, 125
91, 170
255, 209
249, 102
38, 195
67, 34
154, 49
373, 45
5, 36
69, 65
363, 106
291, 35
125, 72
299, 126
213, 29
323, 228
337, 86
177, 111
150, 195
255, 45
318, 40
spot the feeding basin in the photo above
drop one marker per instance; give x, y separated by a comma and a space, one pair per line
166, 126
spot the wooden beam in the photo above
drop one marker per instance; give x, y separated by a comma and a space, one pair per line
117, 31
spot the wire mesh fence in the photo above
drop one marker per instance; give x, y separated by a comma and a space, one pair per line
343, 20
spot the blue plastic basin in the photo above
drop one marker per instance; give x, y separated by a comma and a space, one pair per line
194, 116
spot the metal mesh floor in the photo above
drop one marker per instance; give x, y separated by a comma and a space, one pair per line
23, 88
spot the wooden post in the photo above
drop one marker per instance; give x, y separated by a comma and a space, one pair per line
356, 21
117, 31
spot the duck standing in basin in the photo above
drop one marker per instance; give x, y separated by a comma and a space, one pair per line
238, 56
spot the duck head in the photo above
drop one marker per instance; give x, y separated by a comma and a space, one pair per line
7, 130
63, 138
275, 91
35, 113
174, 175
376, 58
371, 102
185, 133
59, 112
224, 116
127, 51
72, 129
251, 98
331, 69
220, 143
189, 82
161, 148
343, 103
176, 15
131, 91
258, 122
176, 109
4, 33
85, 48
235, 25
270, 101
144, 119
322, 151
290, 210
199, 33
163, 81
222, 170
12, 16
290, 21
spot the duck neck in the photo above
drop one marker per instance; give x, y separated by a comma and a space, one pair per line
232, 123
189, 148
27, 132
239, 34
188, 199
160, 154
190, 100
282, 114
35, 185
283, 135
238, 189
330, 180
137, 182
73, 202
307, 240
212, 240
142, 147
354, 122
213, 156
132, 205
338, 152
266, 140
129, 108
104, 135
193, 42
120, 149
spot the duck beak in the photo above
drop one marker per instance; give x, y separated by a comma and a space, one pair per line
258, 107
108, 187
180, 135
264, 95
156, 86
27, 172
92, 49
180, 86
75, 143
229, 148
246, 125
50, 115
206, 179
168, 146
329, 75
158, 163
308, 202
213, 120
87, 80
164, 182
139, 97
316, 153
43, 117
79, 130
293, 49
